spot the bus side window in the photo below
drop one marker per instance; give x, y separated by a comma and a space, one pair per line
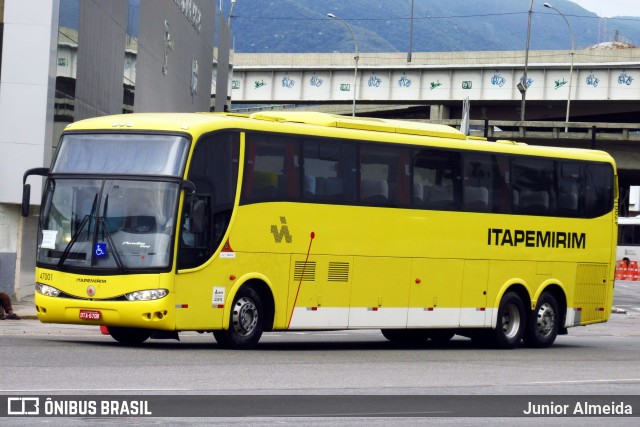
328, 170
533, 186
477, 182
271, 169
438, 172
569, 188
384, 175
599, 191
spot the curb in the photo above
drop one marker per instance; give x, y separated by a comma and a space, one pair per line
27, 316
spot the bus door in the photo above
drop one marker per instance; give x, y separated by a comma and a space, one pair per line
206, 215
435, 293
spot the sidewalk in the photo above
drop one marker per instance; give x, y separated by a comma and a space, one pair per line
25, 308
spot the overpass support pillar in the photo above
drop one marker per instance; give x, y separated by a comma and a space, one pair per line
439, 112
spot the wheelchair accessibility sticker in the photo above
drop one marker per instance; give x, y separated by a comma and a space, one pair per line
101, 250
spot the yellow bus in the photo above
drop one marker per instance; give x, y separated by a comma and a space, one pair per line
153, 224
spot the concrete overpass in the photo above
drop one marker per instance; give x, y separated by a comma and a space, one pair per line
604, 83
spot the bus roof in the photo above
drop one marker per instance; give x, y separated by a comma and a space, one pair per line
362, 123
184, 121
199, 123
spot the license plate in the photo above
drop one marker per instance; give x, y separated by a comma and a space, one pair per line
90, 315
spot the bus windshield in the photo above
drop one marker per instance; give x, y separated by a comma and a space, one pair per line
121, 217
107, 224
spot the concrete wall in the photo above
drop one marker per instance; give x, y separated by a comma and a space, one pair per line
102, 35
26, 93
27, 87
421, 59
8, 240
167, 69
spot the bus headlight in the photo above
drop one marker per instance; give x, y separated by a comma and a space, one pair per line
147, 295
47, 290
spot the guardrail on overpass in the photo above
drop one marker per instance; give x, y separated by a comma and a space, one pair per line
580, 133
621, 140
606, 76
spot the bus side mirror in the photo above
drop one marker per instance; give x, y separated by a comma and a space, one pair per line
198, 216
189, 186
26, 197
26, 188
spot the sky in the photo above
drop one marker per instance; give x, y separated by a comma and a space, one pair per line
609, 8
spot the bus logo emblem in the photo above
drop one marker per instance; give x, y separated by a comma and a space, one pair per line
283, 232
91, 291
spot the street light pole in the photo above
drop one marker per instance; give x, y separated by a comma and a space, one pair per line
356, 57
566, 128
410, 35
523, 85
233, 3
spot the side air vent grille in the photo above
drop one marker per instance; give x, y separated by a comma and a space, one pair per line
304, 271
338, 271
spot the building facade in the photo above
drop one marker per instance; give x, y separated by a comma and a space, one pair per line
66, 60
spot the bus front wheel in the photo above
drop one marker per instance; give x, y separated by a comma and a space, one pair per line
245, 326
129, 336
511, 322
543, 325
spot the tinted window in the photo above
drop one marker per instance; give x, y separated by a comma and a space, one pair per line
599, 189
214, 172
533, 186
329, 171
281, 168
271, 168
570, 187
484, 185
436, 179
384, 175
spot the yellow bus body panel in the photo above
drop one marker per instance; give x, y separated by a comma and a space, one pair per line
156, 314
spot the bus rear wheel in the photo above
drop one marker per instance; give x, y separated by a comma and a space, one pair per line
544, 323
129, 336
245, 326
511, 322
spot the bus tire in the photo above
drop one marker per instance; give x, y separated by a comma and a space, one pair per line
246, 322
129, 336
544, 323
406, 336
511, 322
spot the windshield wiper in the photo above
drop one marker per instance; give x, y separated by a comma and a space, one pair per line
75, 236
65, 254
106, 233
116, 255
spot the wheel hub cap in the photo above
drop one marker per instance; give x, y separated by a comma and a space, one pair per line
245, 316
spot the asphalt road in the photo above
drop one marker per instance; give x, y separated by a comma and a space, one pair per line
600, 359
